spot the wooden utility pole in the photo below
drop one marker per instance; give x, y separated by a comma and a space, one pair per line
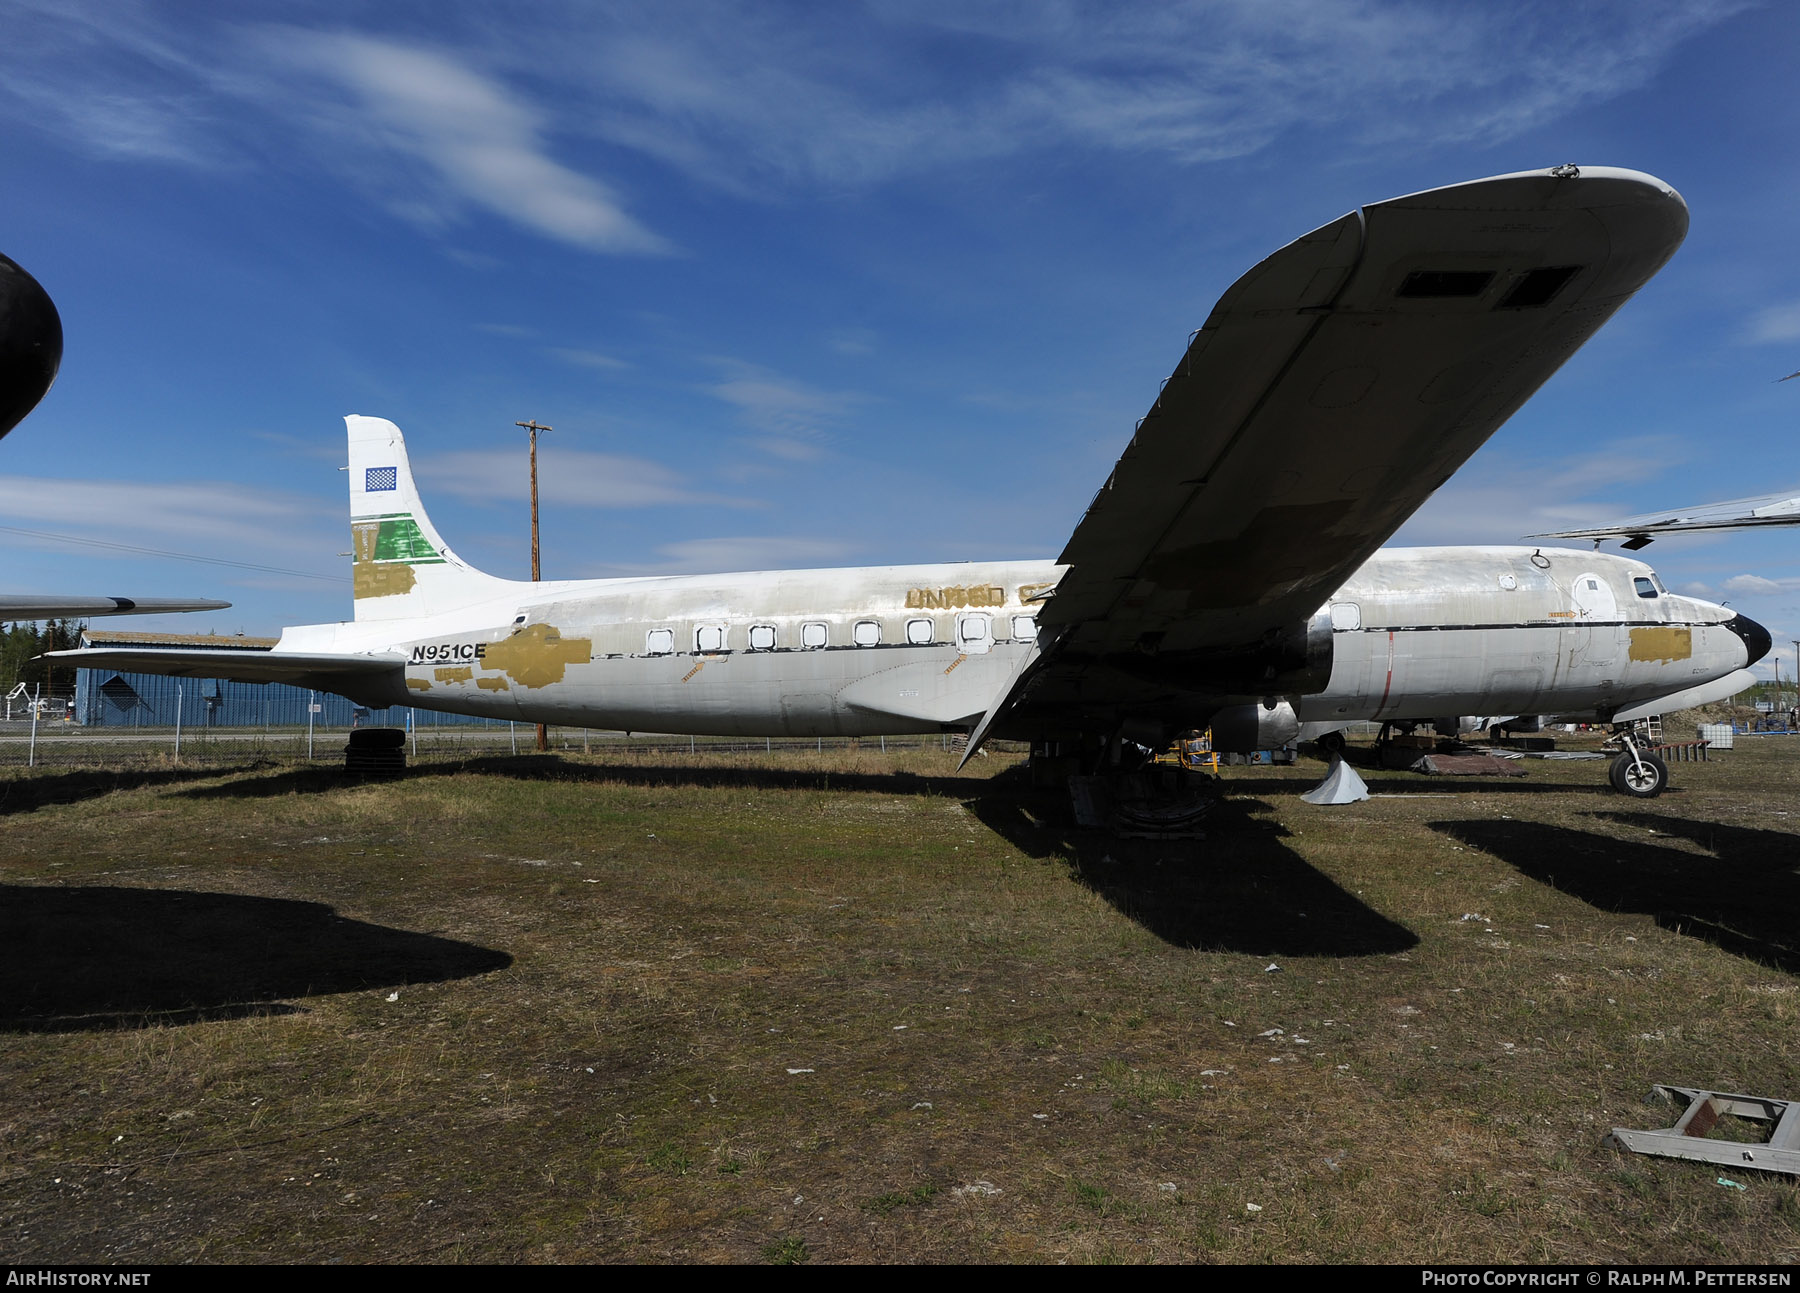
543, 735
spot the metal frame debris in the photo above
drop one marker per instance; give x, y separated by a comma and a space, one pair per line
1688, 1137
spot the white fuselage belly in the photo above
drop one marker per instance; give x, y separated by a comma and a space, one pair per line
1419, 634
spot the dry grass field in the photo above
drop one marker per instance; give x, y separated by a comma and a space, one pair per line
786, 1008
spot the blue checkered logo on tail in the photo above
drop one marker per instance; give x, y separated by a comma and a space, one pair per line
376, 479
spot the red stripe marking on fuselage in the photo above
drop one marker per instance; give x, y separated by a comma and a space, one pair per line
1390, 674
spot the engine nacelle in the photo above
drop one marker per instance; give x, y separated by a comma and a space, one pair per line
1239, 729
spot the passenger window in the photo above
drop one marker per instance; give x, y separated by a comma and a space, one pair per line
1644, 587
659, 642
812, 635
921, 632
762, 637
866, 633
1024, 628
974, 633
1346, 617
709, 637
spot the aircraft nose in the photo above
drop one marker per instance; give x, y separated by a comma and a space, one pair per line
1754, 636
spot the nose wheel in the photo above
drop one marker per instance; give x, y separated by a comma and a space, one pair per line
1637, 771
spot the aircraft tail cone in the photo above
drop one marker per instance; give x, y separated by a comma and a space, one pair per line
1341, 786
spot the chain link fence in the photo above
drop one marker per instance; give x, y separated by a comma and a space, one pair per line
50, 742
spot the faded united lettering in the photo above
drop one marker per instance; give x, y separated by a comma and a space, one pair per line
949, 598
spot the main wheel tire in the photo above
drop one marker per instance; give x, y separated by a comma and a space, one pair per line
1644, 777
1331, 743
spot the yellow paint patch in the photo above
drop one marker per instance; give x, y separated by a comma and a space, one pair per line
1662, 642
493, 684
461, 674
538, 656
386, 579
418, 684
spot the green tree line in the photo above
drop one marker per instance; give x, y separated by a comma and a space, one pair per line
21, 643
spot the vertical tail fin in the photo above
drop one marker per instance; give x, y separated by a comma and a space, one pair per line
402, 568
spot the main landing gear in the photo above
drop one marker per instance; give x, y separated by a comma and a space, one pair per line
1638, 770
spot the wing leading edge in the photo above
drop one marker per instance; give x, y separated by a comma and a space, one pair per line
1332, 389
1737, 514
15, 607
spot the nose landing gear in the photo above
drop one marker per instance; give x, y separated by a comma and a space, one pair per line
1638, 770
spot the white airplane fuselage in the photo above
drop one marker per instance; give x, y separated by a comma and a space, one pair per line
1417, 634
1331, 389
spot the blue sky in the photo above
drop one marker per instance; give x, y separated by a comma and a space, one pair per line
818, 285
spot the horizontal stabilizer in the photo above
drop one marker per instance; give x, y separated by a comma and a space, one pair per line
302, 669
15, 607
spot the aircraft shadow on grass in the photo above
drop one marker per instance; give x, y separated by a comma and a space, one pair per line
549, 767
1240, 889
1743, 898
26, 794
97, 958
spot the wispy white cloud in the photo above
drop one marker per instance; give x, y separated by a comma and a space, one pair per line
566, 477
753, 552
794, 420
482, 143
116, 82
589, 359
1494, 501
760, 96
852, 341
745, 94
207, 519
302, 446
1777, 323
1757, 585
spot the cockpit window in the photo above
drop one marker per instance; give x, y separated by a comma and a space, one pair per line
1645, 587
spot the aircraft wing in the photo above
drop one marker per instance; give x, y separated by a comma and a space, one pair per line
14, 607
302, 669
1738, 514
1333, 388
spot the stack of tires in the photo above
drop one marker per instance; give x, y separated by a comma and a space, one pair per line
376, 752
